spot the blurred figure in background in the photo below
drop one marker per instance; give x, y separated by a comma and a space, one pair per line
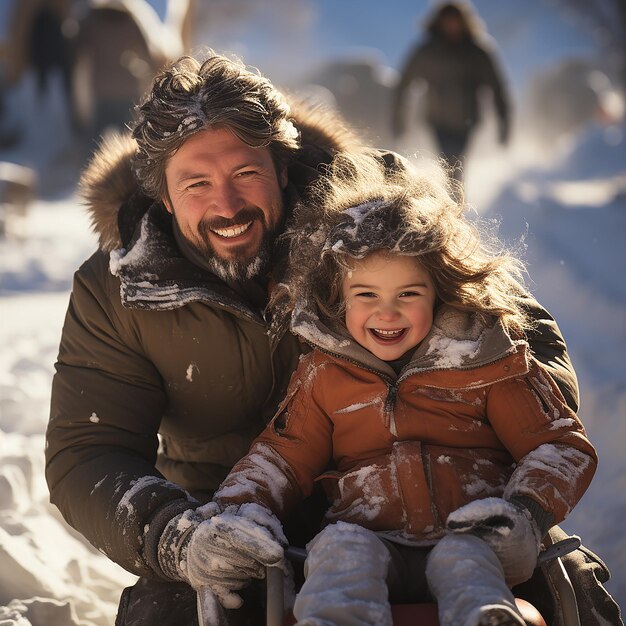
117, 57
9, 133
50, 45
39, 38
78, 67
456, 66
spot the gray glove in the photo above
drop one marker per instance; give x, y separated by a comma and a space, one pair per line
221, 551
509, 529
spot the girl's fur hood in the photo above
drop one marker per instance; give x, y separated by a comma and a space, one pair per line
108, 180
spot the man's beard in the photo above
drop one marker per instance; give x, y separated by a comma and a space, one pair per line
237, 269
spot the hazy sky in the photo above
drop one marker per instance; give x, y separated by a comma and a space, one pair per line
284, 36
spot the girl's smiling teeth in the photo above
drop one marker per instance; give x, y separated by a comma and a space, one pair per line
232, 231
387, 334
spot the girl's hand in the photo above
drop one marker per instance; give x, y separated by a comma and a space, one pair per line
507, 528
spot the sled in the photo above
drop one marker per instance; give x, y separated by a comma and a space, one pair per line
415, 614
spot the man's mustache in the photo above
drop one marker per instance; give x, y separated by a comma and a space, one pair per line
244, 216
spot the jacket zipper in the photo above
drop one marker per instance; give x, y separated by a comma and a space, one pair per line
392, 386
390, 401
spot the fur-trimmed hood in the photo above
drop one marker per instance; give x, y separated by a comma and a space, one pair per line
108, 182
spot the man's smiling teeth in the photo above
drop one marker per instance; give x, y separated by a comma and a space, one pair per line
233, 231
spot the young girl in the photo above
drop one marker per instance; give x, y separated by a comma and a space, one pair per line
419, 406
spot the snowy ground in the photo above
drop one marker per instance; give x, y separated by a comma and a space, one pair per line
576, 216
39, 556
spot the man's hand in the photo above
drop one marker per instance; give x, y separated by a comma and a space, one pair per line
224, 551
229, 549
507, 528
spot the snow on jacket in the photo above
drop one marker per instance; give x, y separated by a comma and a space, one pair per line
472, 415
454, 75
165, 375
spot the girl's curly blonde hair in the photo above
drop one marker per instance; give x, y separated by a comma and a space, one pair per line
360, 205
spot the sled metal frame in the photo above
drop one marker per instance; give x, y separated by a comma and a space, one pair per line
560, 578
275, 612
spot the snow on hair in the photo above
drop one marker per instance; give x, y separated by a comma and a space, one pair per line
362, 205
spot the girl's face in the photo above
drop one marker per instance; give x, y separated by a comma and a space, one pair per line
389, 304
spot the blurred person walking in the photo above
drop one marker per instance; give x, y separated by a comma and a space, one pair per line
38, 39
116, 59
50, 45
456, 65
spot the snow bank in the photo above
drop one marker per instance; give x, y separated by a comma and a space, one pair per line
48, 573
576, 264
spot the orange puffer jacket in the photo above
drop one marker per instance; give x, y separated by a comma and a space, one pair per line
472, 415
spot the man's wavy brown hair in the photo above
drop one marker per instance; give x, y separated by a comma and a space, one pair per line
188, 96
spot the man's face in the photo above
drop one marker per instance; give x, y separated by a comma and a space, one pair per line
227, 199
452, 27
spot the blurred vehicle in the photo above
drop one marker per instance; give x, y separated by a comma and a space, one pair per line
17, 191
567, 97
361, 88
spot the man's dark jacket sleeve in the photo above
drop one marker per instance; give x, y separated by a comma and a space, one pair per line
548, 347
107, 399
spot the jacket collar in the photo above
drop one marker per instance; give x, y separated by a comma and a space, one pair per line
155, 275
459, 341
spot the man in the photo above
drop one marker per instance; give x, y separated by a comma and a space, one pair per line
165, 373
455, 68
